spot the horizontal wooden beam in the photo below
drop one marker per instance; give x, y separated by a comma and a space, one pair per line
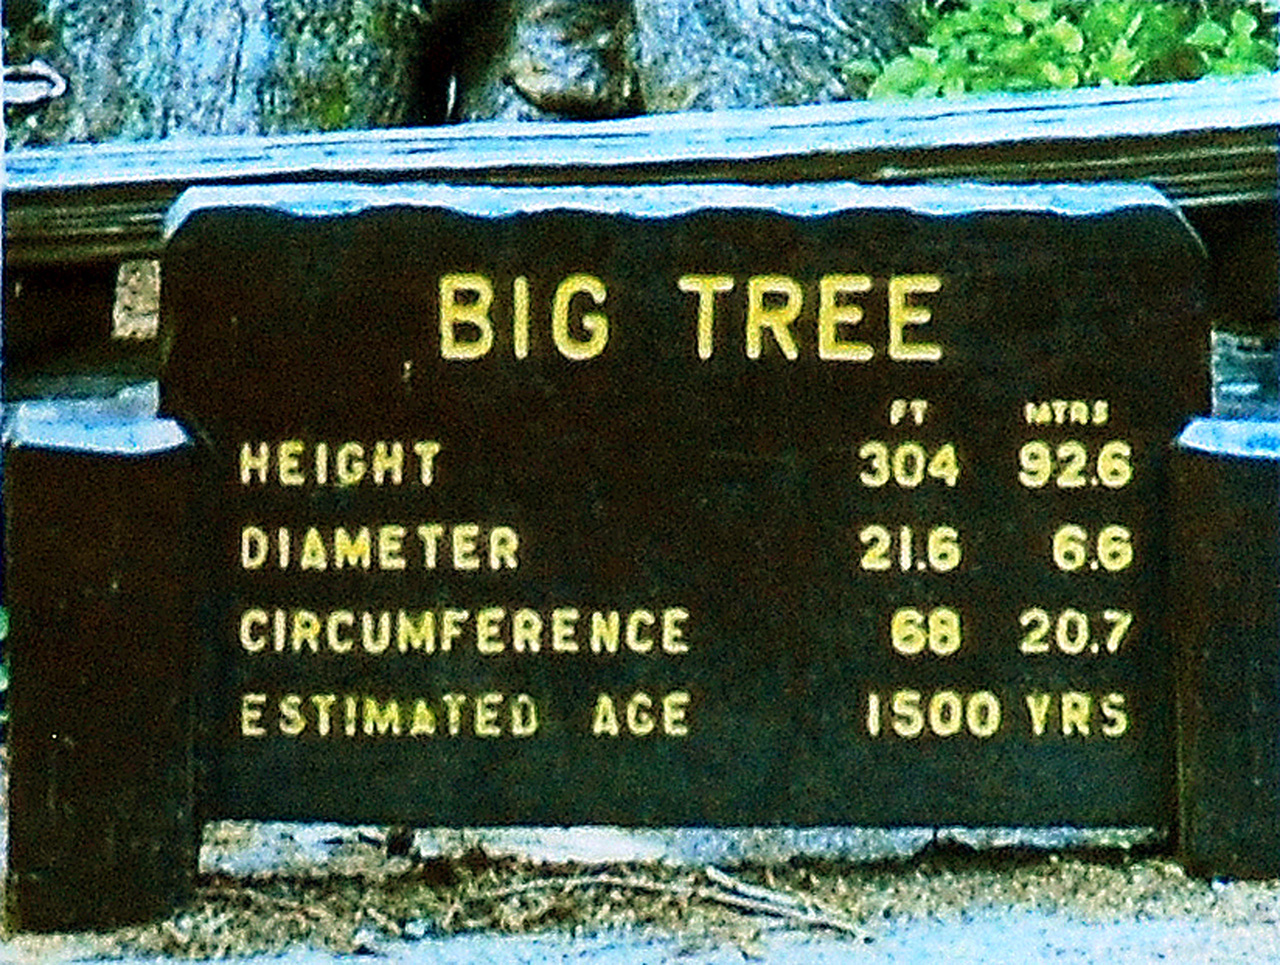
1211, 142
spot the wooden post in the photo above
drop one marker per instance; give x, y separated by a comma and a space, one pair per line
101, 819
1225, 621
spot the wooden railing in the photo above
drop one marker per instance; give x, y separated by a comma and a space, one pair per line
1207, 143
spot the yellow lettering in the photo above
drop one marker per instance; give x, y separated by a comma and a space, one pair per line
306, 630
335, 622
390, 545
289, 464
474, 312
604, 632
776, 318
1075, 713
526, 631
248, 621
424, 721
520, 317
635, 642
706, 287
1038, 413
388, 460
323, 704
674, 707
380, 642
420, 637
563, 623
487, 707
503, 543
672, 634
1038, 708
453, 704
426, 452
349, 719
464, 546
946, 713
251, 715
313, 554
254, 463
982, 713
254, 545
487, 639
604, 720
292, 722
451, 628
524, 716
349, 552
430, 536
639, 718
1117, 720
350, 464
595, 323
382, 719
902, 314
833, 313
908, 720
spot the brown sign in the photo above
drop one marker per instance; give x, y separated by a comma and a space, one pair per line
685, 505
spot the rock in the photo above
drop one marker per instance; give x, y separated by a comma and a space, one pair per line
142, 69
713, 54
553, 59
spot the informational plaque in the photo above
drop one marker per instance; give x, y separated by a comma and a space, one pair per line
685, 505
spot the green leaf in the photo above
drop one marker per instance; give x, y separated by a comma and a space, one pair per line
904, 76
1002, 45
1243, 24
862, 68
1033, 12
1062, 78
1207, 36
1067, 36
1120, 64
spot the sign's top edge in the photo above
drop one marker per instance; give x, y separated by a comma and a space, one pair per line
669, 200
1242, 438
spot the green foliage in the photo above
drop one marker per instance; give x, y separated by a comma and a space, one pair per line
1019, 45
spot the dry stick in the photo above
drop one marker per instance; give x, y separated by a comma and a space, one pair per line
718, 877
805, 915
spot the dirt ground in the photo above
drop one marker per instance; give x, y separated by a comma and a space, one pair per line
275, 889
318, 891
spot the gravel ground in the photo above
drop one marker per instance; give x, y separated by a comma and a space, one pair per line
321, 893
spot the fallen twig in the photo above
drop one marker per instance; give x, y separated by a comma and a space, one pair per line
794, 912
718, 877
